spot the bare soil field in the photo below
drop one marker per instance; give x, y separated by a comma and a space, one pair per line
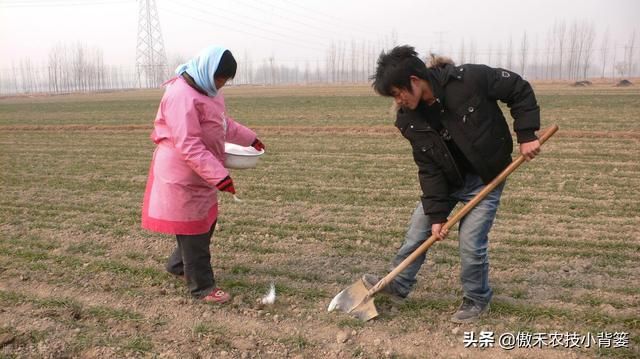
328, 202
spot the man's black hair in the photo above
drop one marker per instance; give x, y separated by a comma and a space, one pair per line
227, 66
395, 68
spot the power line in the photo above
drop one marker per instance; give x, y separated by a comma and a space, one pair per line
331, 17
259, 22
281, 13
208, 22
237, 30
334, 21
59, 3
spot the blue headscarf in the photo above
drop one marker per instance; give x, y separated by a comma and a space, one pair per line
202, 68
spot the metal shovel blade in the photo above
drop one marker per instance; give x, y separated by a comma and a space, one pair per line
355, 300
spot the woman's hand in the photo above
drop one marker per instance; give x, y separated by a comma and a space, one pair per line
226, 185
258, 145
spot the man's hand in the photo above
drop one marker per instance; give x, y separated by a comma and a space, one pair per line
438, 231
530, 149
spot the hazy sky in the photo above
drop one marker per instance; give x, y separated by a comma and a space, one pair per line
297, 31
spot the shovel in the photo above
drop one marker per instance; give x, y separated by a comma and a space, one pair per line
357, 300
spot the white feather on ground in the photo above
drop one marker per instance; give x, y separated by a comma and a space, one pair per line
270, 297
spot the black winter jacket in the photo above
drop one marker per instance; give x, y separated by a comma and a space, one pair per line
471, 115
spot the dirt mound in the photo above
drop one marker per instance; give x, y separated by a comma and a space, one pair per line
584, 83
624, 83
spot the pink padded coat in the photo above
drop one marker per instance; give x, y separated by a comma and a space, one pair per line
190, 130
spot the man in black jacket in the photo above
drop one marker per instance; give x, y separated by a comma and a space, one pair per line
461, 141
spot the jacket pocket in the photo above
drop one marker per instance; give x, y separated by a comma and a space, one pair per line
437, 153
423, 148
422, 139
468, 112
474, 118
422, 143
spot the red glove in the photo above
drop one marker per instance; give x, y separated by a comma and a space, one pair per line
258, 145
226, 185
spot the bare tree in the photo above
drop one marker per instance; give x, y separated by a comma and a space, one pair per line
537, 68
363, 62
26, 75
560, 30
343, 63
499, 55
318, 73
56, 55
549, 53
265, 72
613, 62
462, 55
509, 58
246, 72
354, 64
573, 49
15, 77
629, 57
78, 67
621, 67
272, 70
342, 68
99, 69
604, 49
307, 73
394, 38
588, 39
472, 52
524, 48
331, 63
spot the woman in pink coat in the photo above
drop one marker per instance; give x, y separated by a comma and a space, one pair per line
187, 169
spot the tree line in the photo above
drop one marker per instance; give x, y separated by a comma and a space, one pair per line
565, 52
68, 68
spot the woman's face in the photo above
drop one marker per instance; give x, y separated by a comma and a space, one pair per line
219, 82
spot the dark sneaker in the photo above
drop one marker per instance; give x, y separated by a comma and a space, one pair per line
469, 311
370, 280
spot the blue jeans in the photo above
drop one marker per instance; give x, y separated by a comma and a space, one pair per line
473, 242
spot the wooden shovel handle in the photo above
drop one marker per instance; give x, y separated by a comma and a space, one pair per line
458, 216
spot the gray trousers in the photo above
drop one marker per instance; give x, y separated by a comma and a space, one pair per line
192, 258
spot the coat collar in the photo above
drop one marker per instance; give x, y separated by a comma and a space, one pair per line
439, 77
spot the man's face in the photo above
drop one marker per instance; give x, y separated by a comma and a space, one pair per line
408, 97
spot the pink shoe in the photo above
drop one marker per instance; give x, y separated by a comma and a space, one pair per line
217, 295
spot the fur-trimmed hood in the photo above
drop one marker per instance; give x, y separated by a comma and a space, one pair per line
438, 61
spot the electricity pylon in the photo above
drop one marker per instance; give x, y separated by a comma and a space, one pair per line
151, 59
